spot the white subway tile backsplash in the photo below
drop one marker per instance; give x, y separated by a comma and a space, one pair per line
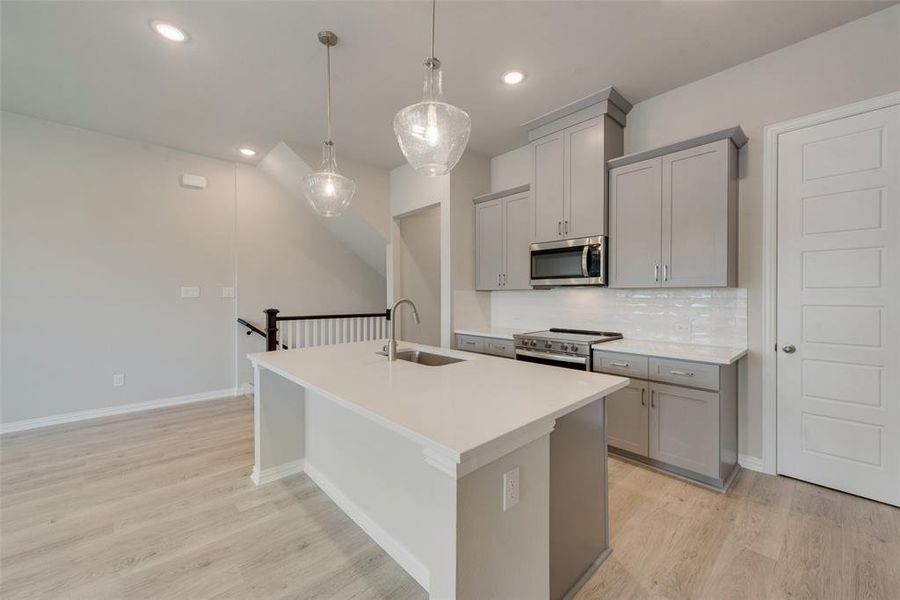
716, 317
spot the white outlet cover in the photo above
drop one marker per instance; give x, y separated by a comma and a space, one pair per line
118, 379
228, 292
196, 182
510, 489
190, 292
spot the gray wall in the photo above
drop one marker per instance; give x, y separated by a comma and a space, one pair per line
97, 239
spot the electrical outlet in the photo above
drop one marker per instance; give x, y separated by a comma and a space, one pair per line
510, 489
228, 292
190, 292
118, 379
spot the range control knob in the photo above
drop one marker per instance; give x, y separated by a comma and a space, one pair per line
564, 347
548, 345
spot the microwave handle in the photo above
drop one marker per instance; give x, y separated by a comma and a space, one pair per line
584, 261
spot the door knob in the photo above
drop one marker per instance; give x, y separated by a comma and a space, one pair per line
789, 349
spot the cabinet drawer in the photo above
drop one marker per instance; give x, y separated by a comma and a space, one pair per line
614, 363
682, 372
505, 348
470, 343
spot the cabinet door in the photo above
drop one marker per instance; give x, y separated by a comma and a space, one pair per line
635, 225
547, 187
516, 238
585, 180
488, 245
695, 209
684, 428
627, 418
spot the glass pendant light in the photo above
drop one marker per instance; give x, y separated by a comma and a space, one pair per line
328, 192
432, 134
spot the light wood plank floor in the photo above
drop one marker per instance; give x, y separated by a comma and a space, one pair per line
159, 505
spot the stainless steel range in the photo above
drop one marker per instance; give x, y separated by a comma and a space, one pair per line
569, 348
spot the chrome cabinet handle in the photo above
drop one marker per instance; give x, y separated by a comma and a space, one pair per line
559, 228
656, 273
566, 227
682, 373
619, 364
652, 395
643, 402
665, 272
498, 278
504, 279
789, 349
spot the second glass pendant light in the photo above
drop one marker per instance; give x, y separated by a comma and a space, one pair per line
432, 133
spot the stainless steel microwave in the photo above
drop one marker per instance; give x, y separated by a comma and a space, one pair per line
580, 261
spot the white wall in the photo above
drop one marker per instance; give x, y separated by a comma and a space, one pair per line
419, 276
97, 239
855, 61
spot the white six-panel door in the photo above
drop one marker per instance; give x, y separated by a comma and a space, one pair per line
838, 391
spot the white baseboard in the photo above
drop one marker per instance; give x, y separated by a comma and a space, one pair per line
96, 413
394, 548
275, 473
751, 463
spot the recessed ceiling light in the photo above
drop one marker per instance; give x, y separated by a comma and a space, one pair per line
169, 31
247, 151
513, 77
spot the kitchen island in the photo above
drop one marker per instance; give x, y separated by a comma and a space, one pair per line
425, 459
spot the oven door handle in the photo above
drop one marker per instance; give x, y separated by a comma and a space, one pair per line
584, 258
579, 360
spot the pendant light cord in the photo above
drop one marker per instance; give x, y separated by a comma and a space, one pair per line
433, 9
328, 92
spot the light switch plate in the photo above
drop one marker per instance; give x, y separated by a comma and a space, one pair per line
118, 379
190, 292
228, 292
510, 489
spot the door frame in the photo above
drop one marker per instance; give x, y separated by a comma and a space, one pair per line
771, 135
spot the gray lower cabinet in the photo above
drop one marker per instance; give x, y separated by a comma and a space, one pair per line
627, 415
684, 428
502, 238
486, 345
689, 428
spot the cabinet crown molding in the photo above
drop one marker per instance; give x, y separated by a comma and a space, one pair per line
605, 102
735, 134
501, 194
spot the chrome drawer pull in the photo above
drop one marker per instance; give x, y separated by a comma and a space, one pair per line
643, 402
619, 364
683, 373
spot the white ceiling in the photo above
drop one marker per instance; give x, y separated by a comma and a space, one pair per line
253, 73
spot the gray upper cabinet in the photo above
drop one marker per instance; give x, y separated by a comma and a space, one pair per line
584, 198
502, 236
635, 225
516, 240
699, 212
569, 179
488, 245
547, 186
673, 214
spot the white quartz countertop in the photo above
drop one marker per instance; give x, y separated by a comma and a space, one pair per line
717, 355
502, 333
461, 412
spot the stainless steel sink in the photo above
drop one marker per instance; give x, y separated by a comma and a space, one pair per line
428, 359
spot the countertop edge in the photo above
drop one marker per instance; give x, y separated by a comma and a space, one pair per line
733, 356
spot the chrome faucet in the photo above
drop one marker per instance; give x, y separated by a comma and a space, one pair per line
391, 347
